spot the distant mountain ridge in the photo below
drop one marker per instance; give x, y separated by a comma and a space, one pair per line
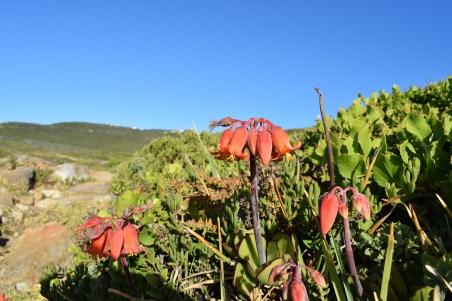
80, 139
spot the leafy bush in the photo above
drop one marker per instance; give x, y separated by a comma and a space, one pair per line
395, 148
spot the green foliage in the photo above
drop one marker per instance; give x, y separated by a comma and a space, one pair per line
396, 148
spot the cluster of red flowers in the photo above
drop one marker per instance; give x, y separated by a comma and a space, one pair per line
257, 136
290, 275
111, 237
335, 202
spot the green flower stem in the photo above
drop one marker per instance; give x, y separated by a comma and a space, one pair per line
255, 208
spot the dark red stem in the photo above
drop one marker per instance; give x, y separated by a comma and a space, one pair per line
255, 208
350, 257
125, 267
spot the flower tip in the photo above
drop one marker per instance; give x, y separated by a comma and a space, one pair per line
317, 277
362, 204
298, 291
329, 207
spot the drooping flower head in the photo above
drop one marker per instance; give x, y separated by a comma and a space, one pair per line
335, 201
110, 237
256, 136
289, 274
362, 205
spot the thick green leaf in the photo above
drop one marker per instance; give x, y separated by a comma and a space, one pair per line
272, 250
416, 125
351, 165
126, 200
364, 141
264, 273
146, 237
248, 251
386, 169
284, 244
242, 281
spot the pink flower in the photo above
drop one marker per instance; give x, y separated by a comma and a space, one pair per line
361, 204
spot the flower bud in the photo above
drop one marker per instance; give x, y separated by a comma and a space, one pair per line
297, 291
275, 273
329, 206
317, 277
343, 209
361, 204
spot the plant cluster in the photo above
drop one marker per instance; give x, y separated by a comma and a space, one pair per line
392, 157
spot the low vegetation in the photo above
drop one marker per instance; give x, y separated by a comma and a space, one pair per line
195, 221
73, 140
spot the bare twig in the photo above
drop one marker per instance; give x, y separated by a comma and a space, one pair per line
329, 144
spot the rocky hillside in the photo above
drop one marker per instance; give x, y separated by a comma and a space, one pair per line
41, 203
73, 140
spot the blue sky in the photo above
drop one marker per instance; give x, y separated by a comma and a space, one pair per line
166, 64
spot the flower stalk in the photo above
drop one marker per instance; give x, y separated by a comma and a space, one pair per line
254, 139
343, 199
255, 208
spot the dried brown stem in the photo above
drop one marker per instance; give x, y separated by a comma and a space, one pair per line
329, 144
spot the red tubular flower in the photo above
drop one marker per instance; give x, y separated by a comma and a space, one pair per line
361, 204
257, 136
110, 237
92, 222
2, 297
238, 142
264, 146
97, 245
116, 243
106, 248
252, 141
131, 245
281, 142
329, 206
226, 137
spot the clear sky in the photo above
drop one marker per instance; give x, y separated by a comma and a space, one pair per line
165, 64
